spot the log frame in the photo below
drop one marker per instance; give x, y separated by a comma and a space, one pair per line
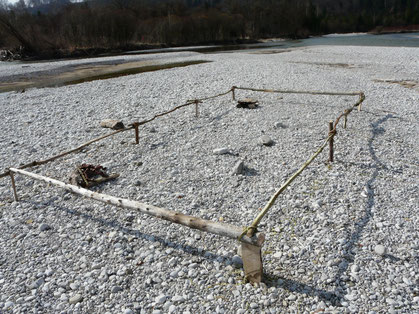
222, 229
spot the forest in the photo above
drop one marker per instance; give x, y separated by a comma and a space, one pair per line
54, 28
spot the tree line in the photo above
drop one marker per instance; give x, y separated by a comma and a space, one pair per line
48, 27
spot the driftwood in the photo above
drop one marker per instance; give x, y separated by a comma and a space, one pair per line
222, 229
87, 176
251, 245
112, 124
247, 103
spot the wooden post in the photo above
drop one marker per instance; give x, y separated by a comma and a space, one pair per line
330, 142
252, 259
233, 92
137, 137
12, 177
196, 108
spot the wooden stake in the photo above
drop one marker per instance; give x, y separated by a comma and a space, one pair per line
196, 108
252, 262
14, 186
330, 142
233, 92
137, 137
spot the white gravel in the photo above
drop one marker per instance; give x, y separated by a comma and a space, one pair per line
62, 253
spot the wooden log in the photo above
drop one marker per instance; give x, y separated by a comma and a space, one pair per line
112, 124
41, 162
221, 229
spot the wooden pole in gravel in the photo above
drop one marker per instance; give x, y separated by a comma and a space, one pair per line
137, 136
196, 108
12, 177
251, 246
331, 142
233, 92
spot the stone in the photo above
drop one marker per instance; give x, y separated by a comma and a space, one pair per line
8, 305
266, 140
380, 250
280, 125
237, 261
221, 151
254, 305
44, 227
178, 298
116, 289
161, 299
238, 168
292, 297
75, 299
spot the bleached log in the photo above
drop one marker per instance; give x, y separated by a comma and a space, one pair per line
221, 229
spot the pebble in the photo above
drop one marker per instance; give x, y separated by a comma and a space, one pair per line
161, 299
221, 151
44, 227
8, 305
116, 289
237, 261
238, 168
75, 299
266, 140
254, 305
380, 250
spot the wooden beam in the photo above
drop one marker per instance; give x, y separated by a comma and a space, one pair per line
221, 229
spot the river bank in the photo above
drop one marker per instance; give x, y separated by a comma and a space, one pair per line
342, 238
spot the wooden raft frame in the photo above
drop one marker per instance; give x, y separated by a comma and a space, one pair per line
251, 240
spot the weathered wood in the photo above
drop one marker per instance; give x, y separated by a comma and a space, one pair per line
222, 229
252, 262
41, 162
331, 141
137, 136
196, 109
247, 103
112, 124
233, 92
12, 177
77, 179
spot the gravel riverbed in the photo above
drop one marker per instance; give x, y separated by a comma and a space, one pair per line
343, 238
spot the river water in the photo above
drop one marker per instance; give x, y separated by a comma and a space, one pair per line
358, 39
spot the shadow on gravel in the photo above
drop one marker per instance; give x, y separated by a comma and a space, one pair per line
354, 237
115, 225
302, 288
